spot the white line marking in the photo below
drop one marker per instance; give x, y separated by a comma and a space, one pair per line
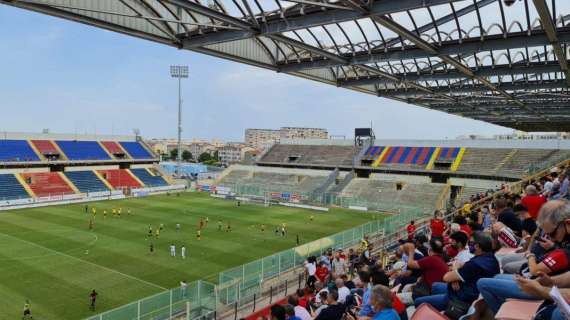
85, 261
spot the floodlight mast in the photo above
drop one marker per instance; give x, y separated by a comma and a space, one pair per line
179, 72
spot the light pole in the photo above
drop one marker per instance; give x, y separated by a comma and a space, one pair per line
179, 72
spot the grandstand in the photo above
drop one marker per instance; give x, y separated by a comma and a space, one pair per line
71, 167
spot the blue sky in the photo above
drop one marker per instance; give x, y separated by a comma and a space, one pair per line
69, 78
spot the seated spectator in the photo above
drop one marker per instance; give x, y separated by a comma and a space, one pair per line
554, 217
319, 288
507, 216
462, 282
408, 276
290, 312
278, 312
300, 312
381, 301
421, 243
462, 222
458, 241
348, 283
528, 222
476, 220
532, 201
319, 307
379, 277
541, 288
334, 310
304, 297
342, 290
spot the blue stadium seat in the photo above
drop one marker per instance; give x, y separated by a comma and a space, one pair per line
17, 150
86, 181
10, 188
83, 150
148, 179
136, 150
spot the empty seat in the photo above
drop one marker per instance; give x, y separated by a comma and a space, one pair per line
83, 150
17, 150
10, 188
47, 183
514, 309
86, 181
136, 150
46, 148
148, 179
120, 178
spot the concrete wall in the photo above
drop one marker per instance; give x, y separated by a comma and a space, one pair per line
23, 170
70, 169
400, 178
301, 172
475, 183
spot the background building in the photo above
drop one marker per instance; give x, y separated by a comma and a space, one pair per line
265, 138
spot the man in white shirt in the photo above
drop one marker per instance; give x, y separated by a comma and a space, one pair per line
339, 265
458, 240
300, 312
172, 250
343, 291
183, 252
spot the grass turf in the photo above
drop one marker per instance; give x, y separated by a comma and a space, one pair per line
49, 255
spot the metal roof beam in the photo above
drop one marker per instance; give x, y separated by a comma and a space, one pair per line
467, 47
528, 86
550, 28
317, 17
487, 71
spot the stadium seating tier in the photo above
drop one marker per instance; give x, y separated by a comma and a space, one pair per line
83, 150
47, 183
86, 181
148, 179
17, 150
10, 188
120, 178
136, 150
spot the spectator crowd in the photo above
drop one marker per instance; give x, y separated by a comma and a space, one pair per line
464, 265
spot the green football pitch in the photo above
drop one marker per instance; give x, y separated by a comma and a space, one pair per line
49, 256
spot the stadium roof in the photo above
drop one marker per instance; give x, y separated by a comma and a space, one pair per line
474, 58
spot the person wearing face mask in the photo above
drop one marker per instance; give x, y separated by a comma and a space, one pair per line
554, 219
458, 240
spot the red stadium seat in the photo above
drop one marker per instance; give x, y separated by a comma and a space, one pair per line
427, 312
47, 183
514, 309
120, 178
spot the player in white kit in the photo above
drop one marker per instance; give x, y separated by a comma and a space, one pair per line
172, 250
183, 252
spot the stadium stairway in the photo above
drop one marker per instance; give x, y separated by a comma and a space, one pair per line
83, 150
121, 178
17, 150
149, 179
11, 188
342, 184
86, 181
136, 150
328, 182
501, 164
48, 183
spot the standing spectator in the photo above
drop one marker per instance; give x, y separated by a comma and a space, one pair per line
381, 301
339, 265
462, 282
334, 310
437, 225
322, 273
411, 228
93, 297
533, 201
342, 290
310, 270
507, 216
183, 288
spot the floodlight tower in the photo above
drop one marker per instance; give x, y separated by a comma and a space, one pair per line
179, 72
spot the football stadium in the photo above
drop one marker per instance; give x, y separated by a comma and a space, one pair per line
296, 223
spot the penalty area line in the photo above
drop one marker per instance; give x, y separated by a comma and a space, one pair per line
85, 261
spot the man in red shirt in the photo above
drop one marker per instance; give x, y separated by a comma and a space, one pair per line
432, 267
437, 225
533, 201
411, 228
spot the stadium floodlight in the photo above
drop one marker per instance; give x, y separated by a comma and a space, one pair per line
179, 72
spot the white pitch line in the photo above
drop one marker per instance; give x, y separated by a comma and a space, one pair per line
85, 261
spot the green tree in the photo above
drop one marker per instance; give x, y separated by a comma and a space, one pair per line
204, 157
186, 155
216, 156
173, 154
